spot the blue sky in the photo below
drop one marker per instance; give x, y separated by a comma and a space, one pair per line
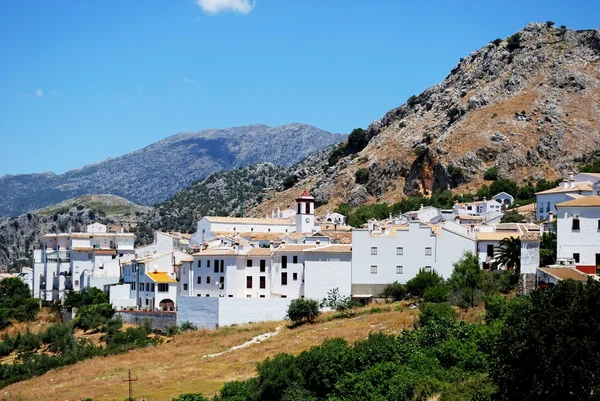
84, 80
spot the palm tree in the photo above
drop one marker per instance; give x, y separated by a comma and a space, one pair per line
508, 254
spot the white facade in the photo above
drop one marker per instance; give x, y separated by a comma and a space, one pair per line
427, 214
578, 231
504, 198
328, 268
574, 186
72, 261
382, 255
477, 208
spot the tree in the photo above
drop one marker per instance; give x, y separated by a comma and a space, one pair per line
549, 24
491, 174
362, 175
548, 249
467, 279
303, 310
357, 140
548, 347
508, 255
395, 290
513, 42
340, 303
191, 397
436, 312
512, 216
16, 302
417, 285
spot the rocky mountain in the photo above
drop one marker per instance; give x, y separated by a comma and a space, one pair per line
158, 171
528, 105
224, 193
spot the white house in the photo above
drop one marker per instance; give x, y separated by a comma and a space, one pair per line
72, 261
578, 232
477, 208
579, 185
427, 214
382, 255
504, 199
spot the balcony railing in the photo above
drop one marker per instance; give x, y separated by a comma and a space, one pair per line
56, 256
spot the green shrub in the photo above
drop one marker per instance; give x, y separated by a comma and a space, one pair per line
495, 308
92, 317
395, 290
303, 310
549, 24
497, 42
362, 176
513, 42
345, 305
413, 101
417, 286
512, 216
188, 326
436, 312
357, 140
172, 330
436, 294
289, 181
191, 397
491, 174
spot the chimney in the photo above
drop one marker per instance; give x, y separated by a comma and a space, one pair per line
484, 199
550, 217
271, 246
421, 207
278, 213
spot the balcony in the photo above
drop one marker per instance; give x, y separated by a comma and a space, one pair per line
56, 256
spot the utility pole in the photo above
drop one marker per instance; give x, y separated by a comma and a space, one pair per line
130, 382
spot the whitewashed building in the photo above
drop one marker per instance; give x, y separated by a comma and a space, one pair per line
72, 261
382, 255
578, 232
504, 199
571, 188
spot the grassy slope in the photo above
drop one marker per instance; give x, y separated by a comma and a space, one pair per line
177, 366
110, 204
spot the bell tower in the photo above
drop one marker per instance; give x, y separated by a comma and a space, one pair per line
305, 213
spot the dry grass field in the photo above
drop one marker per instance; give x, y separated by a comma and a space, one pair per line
177, 366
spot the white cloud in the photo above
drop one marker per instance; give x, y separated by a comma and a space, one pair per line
39, 93
191, 81
217, 6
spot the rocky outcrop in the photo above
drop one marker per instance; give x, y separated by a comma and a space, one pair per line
529, 108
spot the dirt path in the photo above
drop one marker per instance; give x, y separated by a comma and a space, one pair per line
254, 340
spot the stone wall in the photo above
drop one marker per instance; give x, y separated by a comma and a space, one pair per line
158, 320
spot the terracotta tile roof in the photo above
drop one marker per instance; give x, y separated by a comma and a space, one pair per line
216, 252
586, 201
525, 208
496, 236
469, 217
579, 186
251, 235
150, 258
105, 251
161, 277
564, 273
342, 237
294, 248
326, 227
331, 249
295, 236
251, 220
82, 249
259, 252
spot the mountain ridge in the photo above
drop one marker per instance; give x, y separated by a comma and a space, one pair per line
158, 171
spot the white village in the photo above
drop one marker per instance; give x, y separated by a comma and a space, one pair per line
236, 270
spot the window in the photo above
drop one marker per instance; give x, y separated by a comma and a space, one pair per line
230, 296
399, 251
284, 262
152, 287
163, 287
263, 265
576, 257
249, 282
208, 280
249, 263
428, 251
208, 295
185, 287
575, 224
598, 224
199, 263
263, 282
284, 296
133, 286
248, 295
221, 279
373, 269
262, 296
207, 263
307, 207
373, 250
222, 266
199, 281
399, 270
427, 269
76, 283
295, 276
490, 250
216, 268
295, 259
283, 278
89, 256
146, 301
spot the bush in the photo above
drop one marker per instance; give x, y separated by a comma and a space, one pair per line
303, 310
512, 216
549, 24
417, 286
413, 101
357, 140
396, 291
436, 312
289, 181
495, 308
491, 174
191, 397
362, 176
513, 42
188, 326
342, 304
91, 317
436, 294
497, 42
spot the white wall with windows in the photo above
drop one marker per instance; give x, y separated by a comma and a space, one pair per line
578, 234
